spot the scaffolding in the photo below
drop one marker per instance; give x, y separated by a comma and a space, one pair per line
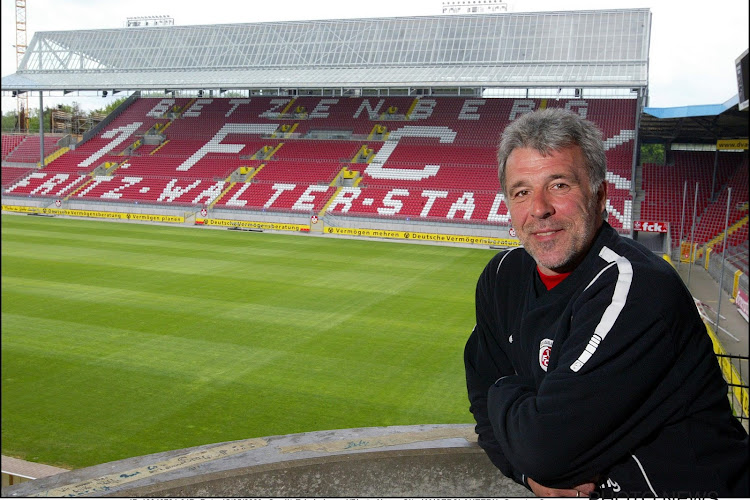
22, 98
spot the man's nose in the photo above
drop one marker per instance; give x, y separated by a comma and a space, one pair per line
541, 205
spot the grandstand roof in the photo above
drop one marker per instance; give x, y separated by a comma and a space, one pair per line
596, 48
703, 124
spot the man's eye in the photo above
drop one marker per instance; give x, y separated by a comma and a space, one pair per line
560, 185
520, 194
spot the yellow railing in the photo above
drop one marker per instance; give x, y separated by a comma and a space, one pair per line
737, 386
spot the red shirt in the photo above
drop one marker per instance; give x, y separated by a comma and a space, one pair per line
551, 281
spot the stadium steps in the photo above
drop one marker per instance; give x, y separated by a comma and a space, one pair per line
54, 156
165, 127
160, 146
285, 111
352, 176
252, 174
185, 108
411, 108
79, 188
270, 153
719, 238
364, 155
286, 130
379, 132
323, 211
131, 149
265, 152
284, 114
110, 168
226, 190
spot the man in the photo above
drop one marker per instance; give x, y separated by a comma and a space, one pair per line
589, 370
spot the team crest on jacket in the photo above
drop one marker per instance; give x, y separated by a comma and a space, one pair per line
545, 348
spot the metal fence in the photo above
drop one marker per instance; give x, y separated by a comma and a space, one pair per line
728, 267
735, 369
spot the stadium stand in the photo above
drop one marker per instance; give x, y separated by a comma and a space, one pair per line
738, 255
664, 186
12, 174
713, 219
27, 148
412, 158
9, 143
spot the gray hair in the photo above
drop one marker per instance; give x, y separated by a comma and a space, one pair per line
554, 129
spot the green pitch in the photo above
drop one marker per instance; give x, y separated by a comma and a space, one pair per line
121, 340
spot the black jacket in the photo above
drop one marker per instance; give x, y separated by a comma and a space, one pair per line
608, 377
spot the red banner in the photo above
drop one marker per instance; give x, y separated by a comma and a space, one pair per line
742, 304
650, 226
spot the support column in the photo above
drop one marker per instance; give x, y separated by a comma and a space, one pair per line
41, 128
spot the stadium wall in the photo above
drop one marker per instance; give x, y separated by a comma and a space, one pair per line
402, 461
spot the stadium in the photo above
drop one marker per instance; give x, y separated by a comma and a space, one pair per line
278, 232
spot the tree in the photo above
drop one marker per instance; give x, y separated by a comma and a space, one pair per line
34, 120
106, 110
10, 121
653, 153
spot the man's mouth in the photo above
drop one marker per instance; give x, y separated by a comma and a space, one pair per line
548, 232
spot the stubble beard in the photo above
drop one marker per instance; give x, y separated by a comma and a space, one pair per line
562, 256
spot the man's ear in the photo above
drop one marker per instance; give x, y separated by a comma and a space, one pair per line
601, 196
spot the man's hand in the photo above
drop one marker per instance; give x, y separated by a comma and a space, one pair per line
582, 490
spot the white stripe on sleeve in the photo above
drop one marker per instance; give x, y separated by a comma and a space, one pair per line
619, 297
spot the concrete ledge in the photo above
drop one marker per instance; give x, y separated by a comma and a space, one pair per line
402, 461
30, 470
17, 471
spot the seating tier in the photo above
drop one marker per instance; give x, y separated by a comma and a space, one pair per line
26, 148
11, 174
667, 200
9, 143
416, 150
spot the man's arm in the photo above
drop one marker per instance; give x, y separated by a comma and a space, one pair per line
583, 419
485, 362
582, 490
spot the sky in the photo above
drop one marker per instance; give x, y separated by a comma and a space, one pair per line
692, 55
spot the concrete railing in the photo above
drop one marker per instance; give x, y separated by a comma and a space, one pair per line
403, 461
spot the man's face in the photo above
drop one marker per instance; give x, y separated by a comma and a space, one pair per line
554, 213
